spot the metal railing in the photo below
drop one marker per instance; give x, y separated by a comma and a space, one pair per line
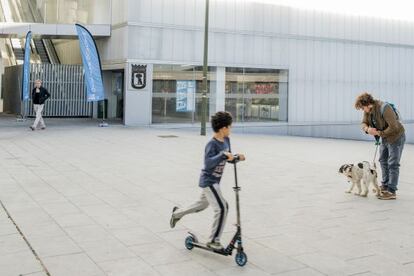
65, 84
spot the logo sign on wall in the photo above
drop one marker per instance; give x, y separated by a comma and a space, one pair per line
185, 96
138, 76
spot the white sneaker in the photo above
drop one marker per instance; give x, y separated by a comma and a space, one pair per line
173, 220
215, 245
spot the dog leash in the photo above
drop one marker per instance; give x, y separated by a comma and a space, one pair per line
377, 143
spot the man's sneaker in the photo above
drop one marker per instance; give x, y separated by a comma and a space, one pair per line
386, 195
173, 220
383, 188
43, 128
32, 128
215, 245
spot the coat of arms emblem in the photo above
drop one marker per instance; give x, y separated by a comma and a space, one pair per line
138, 76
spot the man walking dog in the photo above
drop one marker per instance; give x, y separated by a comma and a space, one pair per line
381, 119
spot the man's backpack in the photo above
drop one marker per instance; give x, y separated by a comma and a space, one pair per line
384, 104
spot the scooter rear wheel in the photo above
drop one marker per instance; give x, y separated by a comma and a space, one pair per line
189, 242
241, 258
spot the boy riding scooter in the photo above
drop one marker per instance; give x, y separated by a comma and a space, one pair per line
217, 153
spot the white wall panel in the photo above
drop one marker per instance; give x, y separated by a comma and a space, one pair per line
241, 20
231, 13
332, 27
276, 51
139, 11
363, 28
218, 17
167, 14
404, 33
270, 21
259, 50
157, 12
119, 12
188, 46
356, 29
156, 43
255, 18
316, 68
405, 99
339, 79
309, 60
218, 51
239, 48
293, 22
116, 47
266, 55
284, 52
249, 51
300, 21
178, 51
284, 14
376, 29
199, 11
318, 24
167, 44
228, 49
180, 12
139, 40
190, 14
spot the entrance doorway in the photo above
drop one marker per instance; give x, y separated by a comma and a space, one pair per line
116, 97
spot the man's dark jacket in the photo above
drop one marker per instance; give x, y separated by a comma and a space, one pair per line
43, 96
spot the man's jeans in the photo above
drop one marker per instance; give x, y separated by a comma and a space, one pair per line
390, 155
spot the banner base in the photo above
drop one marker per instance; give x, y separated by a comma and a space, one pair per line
20, 119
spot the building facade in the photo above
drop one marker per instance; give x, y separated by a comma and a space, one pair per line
281, 69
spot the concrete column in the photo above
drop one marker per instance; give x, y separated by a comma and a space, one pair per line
217, 91
283, 101
137, 102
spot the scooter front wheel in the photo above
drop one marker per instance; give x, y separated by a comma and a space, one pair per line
189, 242
241, 258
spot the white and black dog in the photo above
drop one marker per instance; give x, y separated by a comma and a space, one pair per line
361, 172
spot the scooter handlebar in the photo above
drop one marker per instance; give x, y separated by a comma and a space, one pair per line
236, 158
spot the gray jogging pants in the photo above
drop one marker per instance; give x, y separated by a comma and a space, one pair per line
209, 196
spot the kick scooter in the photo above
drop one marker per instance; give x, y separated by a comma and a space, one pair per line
236, 242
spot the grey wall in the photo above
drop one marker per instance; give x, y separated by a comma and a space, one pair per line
12, 89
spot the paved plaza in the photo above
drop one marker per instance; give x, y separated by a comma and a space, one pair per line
97, 201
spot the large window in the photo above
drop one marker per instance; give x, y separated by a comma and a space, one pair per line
177, 91
256, 95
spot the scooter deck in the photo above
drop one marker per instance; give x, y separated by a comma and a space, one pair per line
205, 247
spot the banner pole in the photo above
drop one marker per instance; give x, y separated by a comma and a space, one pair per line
21, 119
25, 76
103, 124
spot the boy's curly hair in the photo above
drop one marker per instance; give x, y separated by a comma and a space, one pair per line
364, 99
221, 119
